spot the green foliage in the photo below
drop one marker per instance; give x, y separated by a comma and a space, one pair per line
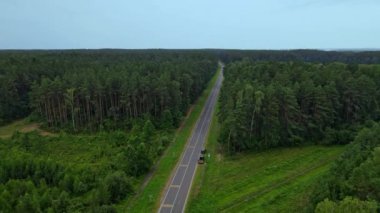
74, 173
147, 132
143, 92
61, 204
342, 136
95, 74
87, 91
365, 179
271, 104
278, 180
318, 56
104, 209
356, 173
148, 199
347, 205
167, 119
116, 187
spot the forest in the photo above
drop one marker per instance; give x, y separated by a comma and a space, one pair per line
267, 104
86, 86
110, 114
67, 173
352, 183
97, 90
270, 104
302, 55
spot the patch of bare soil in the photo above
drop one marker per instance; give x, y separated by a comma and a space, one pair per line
35, 127
29, 127
219, 157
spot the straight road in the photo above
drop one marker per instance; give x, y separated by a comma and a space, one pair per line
177, 192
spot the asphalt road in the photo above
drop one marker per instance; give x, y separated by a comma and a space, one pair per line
178, 191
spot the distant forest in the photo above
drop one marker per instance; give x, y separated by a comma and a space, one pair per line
317, 56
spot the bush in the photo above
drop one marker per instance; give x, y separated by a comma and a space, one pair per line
105, 209
348, 205
61, 204
355, 172
115, 187
333, 136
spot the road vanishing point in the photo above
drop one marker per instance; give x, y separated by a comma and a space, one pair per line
177, 192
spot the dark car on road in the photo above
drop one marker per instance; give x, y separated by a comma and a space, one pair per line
201, 159
203, 151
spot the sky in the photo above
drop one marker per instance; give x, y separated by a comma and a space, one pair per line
189, 24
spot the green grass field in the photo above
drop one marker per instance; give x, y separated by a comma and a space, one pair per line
272, 181
74, 151
148, 199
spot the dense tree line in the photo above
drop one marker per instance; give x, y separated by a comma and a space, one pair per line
19, 70
347, 56
269, 104
352, 183
104, 88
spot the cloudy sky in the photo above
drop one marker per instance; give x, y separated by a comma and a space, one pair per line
237, 24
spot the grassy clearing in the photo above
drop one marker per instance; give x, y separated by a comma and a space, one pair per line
73, 151
148, 199
22, 126
272, 181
